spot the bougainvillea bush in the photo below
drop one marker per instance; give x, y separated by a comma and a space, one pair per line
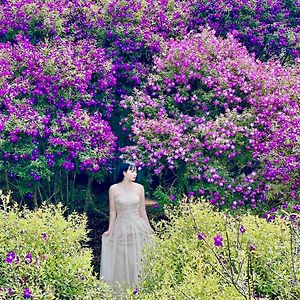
43, 255
231, 257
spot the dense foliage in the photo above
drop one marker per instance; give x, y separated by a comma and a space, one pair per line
43, 255
223, 122
231, 257
207, 97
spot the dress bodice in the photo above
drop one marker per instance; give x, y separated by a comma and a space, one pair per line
127, 204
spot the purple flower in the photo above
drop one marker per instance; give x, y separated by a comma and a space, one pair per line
201, 236
135, 291
242, 229
69, 166
28, 258
14, 138
156, 205
218, 241
251, 247
6, 155
10, 291
172, 198
191, 194
44, 235
296, 207
10, 257
27, 293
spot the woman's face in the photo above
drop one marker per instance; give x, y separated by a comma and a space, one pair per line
131, 173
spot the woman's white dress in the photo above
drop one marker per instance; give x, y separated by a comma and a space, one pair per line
121, 252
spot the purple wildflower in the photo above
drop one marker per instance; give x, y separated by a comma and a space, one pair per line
201, 236
10, 257
296, 207
44, 235
172, 198
191, 194
251, 247
242, 229
218, 241
10, 291
28, 258
27, 293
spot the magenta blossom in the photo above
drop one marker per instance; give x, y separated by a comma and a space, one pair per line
218, 241
201, 236
242, 229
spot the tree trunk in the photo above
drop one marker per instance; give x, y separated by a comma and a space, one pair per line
88, 194
35, 202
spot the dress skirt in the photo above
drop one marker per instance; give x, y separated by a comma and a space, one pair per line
121, 255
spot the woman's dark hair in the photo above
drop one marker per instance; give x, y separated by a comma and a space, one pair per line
124, 167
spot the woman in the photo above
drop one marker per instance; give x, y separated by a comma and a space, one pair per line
129, 229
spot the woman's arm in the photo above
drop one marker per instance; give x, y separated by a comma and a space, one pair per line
112, 211
142, 209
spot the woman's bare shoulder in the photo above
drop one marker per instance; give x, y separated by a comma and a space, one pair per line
114, 187
138, 186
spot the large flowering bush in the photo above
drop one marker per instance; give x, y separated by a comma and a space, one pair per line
43, 126
59, 73
43, 256
209, 118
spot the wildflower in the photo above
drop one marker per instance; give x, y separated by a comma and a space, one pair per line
251, 247
172, 198
218, 241
191, 194
10, 291
27, 293
201, 236
28, 258
135, 291
293, 217
44, 235
10, 257
296, 207
242, 229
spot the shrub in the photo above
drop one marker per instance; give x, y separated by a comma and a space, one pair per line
201, 253
214, 121
43, 255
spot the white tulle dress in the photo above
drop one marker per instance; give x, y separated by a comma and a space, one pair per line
121, 252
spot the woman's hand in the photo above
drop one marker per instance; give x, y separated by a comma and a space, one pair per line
107, 233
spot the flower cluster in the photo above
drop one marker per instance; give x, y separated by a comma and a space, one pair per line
267, 28
79, 136
42, 83
39, 19
224, 115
